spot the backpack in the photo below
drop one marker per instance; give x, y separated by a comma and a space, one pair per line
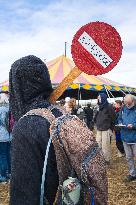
78, 156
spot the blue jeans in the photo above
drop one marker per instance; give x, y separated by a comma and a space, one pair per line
130, 150
4, 160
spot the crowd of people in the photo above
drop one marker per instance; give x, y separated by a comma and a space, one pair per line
117, 120
30, 88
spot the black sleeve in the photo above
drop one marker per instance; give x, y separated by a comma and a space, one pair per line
30, 138
112, 116
95, 116
91, 114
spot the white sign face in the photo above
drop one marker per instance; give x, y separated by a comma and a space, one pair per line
89, 44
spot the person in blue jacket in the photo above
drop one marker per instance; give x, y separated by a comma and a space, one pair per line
127, 119
5, 138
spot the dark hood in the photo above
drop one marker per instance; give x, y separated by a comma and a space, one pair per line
104, 101
29, 85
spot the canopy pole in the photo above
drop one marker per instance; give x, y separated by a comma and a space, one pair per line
107, 91
78, 94
123, 92
65, 49
111, 93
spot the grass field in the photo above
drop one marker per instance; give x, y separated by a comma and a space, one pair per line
120, 193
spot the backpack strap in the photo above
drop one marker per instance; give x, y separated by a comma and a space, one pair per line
56, 132
42, 112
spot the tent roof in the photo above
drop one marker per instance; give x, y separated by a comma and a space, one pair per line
61, 66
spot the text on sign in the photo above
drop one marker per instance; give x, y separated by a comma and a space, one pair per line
92, 47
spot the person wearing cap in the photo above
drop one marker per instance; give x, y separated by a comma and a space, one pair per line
105, 121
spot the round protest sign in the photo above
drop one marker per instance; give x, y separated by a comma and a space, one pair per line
96, 48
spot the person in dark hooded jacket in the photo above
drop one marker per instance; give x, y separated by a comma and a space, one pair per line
105, 120
30, 87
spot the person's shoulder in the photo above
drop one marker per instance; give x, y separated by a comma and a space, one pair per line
134, 110
125, 109
31, 124
31, 128
107, 107
33, 120
110, 105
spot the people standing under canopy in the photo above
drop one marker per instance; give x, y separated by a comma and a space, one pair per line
105, 121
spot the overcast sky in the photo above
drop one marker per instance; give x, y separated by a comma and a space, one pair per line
41, 27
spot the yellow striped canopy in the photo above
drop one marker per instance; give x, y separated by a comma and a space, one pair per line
4, 86
61, 66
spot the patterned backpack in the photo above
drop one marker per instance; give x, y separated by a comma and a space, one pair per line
79, 157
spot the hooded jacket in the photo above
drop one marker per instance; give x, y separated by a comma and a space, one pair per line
30, 86
105, 117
